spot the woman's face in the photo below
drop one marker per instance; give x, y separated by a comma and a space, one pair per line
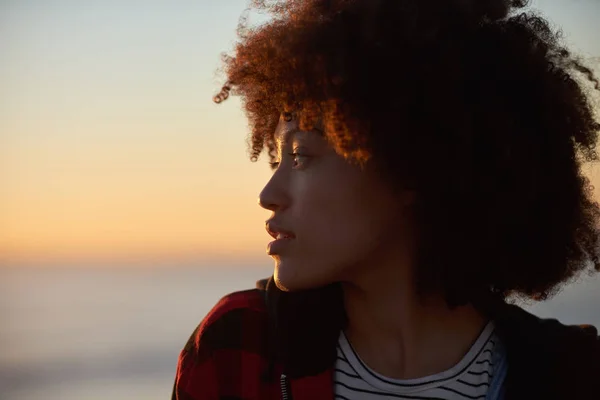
339, 215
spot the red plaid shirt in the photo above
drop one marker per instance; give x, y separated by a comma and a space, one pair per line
267, 344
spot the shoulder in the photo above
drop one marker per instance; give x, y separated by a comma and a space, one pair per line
572, 342
545, 354
228, 343
581, 341
573, 358
578, 344
232, 318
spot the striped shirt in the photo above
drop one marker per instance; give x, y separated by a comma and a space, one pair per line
469, 379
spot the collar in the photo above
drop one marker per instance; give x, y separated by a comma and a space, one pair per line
304, 327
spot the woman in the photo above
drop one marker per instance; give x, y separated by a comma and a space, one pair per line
427, 159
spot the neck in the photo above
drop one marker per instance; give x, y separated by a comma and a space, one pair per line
400, 335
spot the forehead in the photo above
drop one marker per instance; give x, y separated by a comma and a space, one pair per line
286, 131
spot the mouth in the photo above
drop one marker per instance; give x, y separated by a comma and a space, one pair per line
282, 240
278, 233
283, 236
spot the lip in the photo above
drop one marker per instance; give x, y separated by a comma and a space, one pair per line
275, 230
277, 246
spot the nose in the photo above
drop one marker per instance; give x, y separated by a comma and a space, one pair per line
267, 201
272, 197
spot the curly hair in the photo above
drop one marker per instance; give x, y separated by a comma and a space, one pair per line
475, 104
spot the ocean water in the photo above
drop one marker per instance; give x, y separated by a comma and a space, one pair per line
115, 333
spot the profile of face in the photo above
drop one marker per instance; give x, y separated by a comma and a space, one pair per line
333, 218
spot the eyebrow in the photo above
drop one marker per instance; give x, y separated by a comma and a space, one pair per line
288, 135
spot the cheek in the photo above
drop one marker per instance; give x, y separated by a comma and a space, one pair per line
339, 222
331, 238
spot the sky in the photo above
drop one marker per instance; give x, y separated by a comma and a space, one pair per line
111, 148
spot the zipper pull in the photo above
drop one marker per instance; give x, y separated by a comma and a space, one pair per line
285, 391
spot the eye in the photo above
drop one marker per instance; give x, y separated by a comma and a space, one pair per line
299, 159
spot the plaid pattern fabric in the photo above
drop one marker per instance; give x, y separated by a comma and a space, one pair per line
227, 357
227, 354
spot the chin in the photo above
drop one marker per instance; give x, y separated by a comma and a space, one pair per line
291, 278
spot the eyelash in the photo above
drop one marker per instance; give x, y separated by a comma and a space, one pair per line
275, 164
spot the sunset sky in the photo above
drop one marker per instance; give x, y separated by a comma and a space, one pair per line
110, 145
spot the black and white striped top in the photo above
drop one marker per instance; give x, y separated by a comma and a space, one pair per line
468, 379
